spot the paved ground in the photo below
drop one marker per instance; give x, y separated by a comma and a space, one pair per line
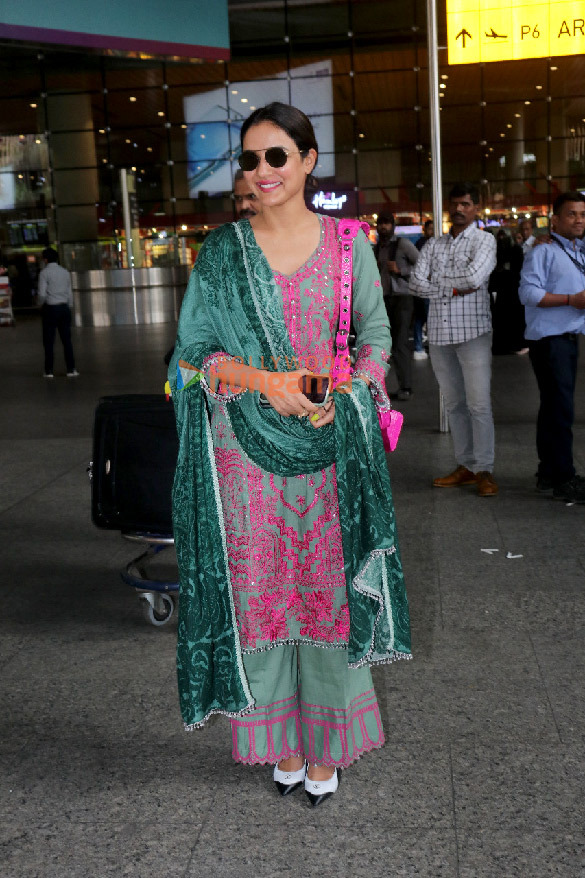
482, 774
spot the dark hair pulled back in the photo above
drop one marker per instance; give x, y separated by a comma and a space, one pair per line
292, 121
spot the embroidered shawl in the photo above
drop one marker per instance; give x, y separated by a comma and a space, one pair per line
232, 305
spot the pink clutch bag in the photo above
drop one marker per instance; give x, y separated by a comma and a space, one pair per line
390, 425
390, 420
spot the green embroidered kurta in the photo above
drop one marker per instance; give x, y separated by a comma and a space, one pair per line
259, 543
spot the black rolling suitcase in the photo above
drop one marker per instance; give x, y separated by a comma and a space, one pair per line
135, 449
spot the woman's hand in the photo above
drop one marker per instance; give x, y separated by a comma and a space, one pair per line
324, 415
283, 392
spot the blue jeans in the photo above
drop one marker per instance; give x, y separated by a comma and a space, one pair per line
554, 360
464, 374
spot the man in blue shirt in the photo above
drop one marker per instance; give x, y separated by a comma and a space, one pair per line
552, 287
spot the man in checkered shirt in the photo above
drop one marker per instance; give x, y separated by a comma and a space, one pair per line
453, 271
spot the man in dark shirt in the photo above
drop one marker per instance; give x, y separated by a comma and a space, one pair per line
396, 258
421, 305
56, 297
428, 232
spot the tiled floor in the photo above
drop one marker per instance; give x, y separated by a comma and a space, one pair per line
482, 774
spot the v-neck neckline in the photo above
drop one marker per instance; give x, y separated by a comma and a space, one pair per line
306, 263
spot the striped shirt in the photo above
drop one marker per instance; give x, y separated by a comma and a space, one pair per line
461, 263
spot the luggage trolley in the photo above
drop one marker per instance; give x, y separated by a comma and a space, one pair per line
135, 449
159, 596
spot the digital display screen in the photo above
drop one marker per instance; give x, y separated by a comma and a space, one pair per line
214, 120
29, 233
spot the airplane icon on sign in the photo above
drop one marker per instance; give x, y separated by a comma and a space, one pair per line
494, 36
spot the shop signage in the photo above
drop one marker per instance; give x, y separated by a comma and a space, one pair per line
509, 30
329, 201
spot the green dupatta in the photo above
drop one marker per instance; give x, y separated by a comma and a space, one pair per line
232, 305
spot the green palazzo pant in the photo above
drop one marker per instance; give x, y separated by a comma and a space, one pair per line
308, 703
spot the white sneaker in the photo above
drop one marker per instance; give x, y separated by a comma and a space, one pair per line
420, 355
73, 374
48, 375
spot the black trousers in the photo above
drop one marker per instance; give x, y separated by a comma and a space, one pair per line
554, 360
400, 309
57, 318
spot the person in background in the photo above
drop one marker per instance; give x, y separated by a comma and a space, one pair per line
246, 200
428, 232
552, 289
453, 272
56, 297
421, 305
507, 310
396, 257
528, 239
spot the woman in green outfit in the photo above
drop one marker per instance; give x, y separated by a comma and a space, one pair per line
291, 583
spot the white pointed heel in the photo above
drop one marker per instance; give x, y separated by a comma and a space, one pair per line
319, 790
288, 781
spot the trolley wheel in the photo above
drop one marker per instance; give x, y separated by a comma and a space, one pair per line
159, 608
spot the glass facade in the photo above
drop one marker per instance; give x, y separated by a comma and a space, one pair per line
71, 120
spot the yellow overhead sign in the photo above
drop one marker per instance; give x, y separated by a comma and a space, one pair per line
508, 30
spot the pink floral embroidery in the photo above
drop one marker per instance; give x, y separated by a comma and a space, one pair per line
322, 268
358, 315
283, 536
268, 616
316, 613
301, 501
376, 283
276, 569
369, 367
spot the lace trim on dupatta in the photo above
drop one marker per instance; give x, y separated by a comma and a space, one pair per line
242, 674
377, 556
253, 292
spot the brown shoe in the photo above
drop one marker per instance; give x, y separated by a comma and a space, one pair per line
461, 476
486, 484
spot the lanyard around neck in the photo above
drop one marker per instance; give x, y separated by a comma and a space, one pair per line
575, 261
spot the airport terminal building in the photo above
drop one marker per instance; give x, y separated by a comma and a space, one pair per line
97, 113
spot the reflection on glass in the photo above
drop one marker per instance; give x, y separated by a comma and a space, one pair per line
213, 129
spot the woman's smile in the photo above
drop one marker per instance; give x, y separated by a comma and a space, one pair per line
267, 185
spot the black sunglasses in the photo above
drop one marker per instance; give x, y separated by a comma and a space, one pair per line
276, 156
